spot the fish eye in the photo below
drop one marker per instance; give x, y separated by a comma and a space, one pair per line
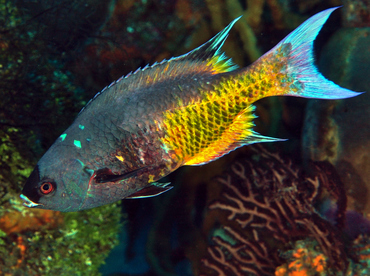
46, 188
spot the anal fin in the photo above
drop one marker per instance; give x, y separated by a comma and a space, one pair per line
154, 189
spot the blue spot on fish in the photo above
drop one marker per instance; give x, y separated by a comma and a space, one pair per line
81, 126
77, 143
81, 163
63, 136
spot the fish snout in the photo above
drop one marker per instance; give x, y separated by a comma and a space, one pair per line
30, 194
27, 202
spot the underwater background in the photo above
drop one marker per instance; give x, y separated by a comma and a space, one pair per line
299, 207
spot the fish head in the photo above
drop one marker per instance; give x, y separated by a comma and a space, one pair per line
58, 182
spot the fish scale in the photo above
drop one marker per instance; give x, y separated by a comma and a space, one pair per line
224, 102
189, 110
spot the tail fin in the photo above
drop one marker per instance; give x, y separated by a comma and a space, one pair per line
298, 46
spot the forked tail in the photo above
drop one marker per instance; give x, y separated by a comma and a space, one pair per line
292, 62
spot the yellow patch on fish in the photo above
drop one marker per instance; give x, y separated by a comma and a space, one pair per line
222, 119
120, 158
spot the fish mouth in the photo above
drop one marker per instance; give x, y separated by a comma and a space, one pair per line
28, 203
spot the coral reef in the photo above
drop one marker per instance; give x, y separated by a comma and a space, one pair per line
43, 242
46, 76
262, 206
305, 260
339, 131
356, 13
266, 204
37, 242
361, 251
176, 236
181, 211
38, 99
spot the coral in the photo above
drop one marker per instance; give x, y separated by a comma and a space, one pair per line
339, 132
304, 260
16, 222
260, 207
176, 239
361, 251
38, 99
266, 204
37, 96
42, 242
356, 13
11, 161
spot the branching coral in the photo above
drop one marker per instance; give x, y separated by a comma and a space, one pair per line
267, 203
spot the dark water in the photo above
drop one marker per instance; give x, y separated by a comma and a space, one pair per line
257, 211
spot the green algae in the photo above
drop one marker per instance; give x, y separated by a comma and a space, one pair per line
77, 245
38, 96
12, 164
38, 99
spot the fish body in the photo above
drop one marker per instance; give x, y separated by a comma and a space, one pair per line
189, 110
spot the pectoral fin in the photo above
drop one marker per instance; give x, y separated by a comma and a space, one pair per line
153, 190
106, 175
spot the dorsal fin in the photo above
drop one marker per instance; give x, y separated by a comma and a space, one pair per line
207, 58
211, 51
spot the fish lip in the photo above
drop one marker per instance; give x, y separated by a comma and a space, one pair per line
29, 203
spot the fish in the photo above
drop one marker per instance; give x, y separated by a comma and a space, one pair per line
188, 110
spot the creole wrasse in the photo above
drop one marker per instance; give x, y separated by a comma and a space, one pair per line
189, 110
